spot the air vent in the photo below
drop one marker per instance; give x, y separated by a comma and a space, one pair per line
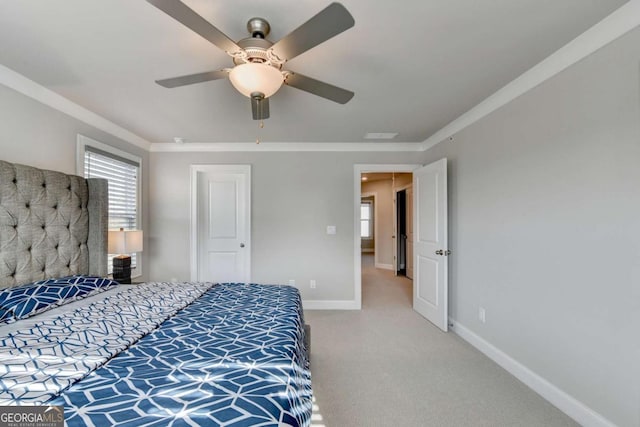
381, 135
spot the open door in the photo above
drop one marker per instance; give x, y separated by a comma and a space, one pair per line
430, 286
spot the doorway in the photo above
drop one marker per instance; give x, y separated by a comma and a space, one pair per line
385, 239
429, 190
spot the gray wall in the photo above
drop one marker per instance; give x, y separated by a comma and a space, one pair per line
294, 197
545, 229
37, 135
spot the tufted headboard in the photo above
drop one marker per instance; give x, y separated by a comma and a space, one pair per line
51, 225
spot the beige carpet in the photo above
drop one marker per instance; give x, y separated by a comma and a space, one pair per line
387, 366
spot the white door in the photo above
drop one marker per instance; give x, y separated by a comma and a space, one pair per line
430, 287
221, 228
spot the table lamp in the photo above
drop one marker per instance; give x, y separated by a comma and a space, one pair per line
123, 242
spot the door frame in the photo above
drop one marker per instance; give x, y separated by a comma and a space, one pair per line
193, 232
358, 170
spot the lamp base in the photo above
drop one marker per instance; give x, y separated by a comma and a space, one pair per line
122, 269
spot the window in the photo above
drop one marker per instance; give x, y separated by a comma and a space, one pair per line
122, 170
366, 219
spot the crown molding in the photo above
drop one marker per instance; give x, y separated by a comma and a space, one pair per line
28, 87
618, 23
285, 146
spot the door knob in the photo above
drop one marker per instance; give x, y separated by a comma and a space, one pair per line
439, 252
242, 245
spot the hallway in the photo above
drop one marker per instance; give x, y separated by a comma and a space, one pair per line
381, 289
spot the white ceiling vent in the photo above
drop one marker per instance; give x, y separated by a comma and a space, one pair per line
381, 135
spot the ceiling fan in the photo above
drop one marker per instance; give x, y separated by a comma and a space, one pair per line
258, 62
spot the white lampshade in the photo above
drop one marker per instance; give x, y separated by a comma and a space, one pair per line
253, 77
124, 241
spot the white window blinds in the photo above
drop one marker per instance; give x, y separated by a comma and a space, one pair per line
122, 175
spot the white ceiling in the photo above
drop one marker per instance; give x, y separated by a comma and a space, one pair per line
414, 65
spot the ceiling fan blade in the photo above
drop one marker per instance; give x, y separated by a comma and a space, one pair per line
329, 22
193, 78
260, 107
186, 16
316, 87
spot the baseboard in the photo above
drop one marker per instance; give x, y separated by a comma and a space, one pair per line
330, 305
384, 266
368, 250
577, 410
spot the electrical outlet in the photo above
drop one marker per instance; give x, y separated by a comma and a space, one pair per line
292, 282
312, 284
482, 315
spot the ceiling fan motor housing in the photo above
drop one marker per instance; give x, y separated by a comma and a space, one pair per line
256, 51
255, 48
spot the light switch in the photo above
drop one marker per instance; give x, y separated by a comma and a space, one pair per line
331, 229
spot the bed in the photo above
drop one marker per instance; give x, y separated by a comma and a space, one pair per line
152, 354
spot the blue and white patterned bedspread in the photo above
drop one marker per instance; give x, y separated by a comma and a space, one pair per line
234, 357
38, 362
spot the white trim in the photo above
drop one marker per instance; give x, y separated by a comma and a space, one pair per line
330, 305
577, 410
81, 142
384, 266
285, 146
193, 245
618, 23
358, 170
27, 87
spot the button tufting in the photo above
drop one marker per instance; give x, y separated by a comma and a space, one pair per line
44, 185
27, 205
15, 181
43, 226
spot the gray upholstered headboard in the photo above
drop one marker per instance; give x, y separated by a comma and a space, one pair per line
51, 225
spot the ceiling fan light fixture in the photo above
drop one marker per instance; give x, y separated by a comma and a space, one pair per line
256, 77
